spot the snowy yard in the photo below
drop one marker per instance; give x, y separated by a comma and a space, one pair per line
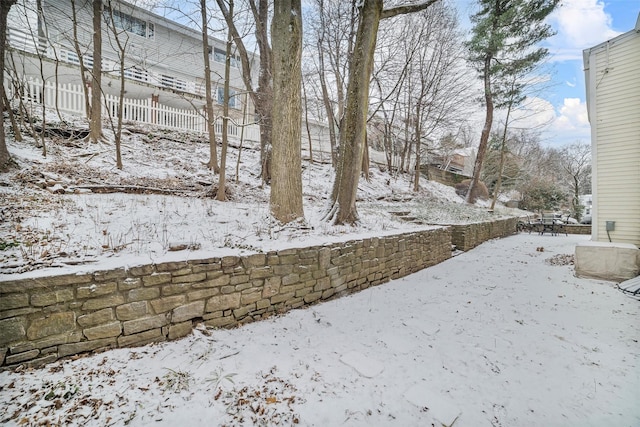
503, 335
75, 230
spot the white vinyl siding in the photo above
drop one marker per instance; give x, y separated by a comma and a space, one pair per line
169, 57
615, 120
167, 48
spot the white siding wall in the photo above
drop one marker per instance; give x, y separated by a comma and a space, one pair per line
173, 50
614, 86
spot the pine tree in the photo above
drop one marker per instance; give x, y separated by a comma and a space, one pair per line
503, 45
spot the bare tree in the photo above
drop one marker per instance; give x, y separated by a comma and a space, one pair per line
121, 40
513, 99
528, 167
39, 44
333, 35
262, 96
95, 124
576, 163
5, 6
286, 41
353, 129
211, 119
439, 92
221, 194
81, 61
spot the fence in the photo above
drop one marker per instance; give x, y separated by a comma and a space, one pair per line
24, 40
69, 98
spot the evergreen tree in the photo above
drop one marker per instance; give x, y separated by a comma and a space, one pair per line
503, 45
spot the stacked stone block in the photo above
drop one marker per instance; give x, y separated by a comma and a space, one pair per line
43, 319
468, 236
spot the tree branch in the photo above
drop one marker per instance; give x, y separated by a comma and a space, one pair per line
409, 8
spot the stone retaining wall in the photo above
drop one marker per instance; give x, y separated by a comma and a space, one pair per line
44, 319
445, 177
468, 236
578, 229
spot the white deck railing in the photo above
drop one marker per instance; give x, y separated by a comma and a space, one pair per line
69, 98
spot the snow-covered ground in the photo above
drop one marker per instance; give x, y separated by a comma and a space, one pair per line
65, 229
503, 335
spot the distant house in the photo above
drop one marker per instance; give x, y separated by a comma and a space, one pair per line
459, 161
612, 77
164, 66
162, 57
586, 201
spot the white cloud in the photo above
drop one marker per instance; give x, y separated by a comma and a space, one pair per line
534, 113
571, 84
580, 24
573, 115
571, 123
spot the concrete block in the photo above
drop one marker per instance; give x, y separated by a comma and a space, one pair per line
615, 262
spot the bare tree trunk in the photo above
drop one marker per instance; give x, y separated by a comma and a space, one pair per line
262, 96
14, 124
484, 136
211, 129
222, 181
118, 136
43, 99
405, 155
286, 165
366, 161
503, 153
418, 137
83, 68
121, 57
95, 124
306, 122
575, 200
5, 157
244, 121
331, 120
388, 145
353, 129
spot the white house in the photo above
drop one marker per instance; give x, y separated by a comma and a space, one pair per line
460, 161
586, 201
612, 78
163, 59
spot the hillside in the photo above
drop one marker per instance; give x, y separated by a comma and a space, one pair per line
73, 210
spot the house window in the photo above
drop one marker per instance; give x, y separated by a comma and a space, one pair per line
172, 82
72, 57
232, 97
133, 25
219, 55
